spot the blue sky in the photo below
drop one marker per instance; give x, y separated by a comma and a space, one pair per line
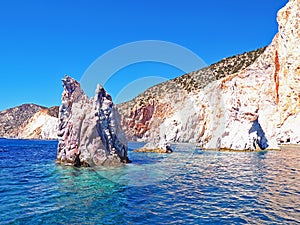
42, 40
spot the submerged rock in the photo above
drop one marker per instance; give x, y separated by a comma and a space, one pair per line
89, 128
151, 150
150, 147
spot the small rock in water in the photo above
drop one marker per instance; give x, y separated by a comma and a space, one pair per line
150, 147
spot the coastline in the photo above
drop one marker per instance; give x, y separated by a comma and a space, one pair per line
157, 150
282, 147
239, 150
289, 147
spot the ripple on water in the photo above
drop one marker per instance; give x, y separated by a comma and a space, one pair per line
187, 187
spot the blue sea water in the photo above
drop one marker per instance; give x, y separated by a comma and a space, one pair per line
187, 187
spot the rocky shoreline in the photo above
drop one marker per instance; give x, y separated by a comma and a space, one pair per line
155, 150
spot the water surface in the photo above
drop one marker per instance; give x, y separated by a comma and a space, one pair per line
187, 187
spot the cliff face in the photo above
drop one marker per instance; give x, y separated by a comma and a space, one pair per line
92, 125
42, 125
261, 101
145, 113
253, 108
24, 122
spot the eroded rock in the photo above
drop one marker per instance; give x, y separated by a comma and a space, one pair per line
92, 125
255, 108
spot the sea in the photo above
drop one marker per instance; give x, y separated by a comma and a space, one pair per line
189, 186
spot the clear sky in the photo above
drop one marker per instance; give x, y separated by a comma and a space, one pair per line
42, 40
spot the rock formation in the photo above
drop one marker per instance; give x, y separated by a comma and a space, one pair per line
29, 121
42, 125
142, 115
253, 108
92, 125
260, 100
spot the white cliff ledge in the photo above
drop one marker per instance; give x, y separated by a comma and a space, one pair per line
89, 128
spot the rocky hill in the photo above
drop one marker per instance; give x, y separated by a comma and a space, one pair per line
42, 125
12, 118
247, 109
137, 113
29, 121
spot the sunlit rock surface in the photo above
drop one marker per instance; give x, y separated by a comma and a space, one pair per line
29, 121
143, 114
253, 108
92, 124
42, 125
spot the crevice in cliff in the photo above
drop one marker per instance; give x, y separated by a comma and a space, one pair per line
80, 130
259, 141
276, 78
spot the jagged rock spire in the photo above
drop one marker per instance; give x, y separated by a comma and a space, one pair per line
89, 128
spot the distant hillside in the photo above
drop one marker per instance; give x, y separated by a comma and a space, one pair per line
42, 125
200, 78
137, 113
14, 119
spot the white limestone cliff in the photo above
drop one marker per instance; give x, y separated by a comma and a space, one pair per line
41, 125
257, 108
91, 124
29, 121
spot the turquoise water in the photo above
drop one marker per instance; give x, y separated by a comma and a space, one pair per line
187, 187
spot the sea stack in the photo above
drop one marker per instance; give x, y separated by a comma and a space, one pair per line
89, 130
